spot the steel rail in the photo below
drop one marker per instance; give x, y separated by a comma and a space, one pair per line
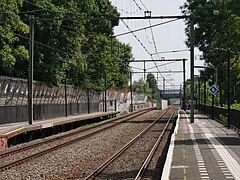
123, 149
64, 144
153, 150
8, 153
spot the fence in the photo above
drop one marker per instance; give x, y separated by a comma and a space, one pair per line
51, 102
48, 102
221, 115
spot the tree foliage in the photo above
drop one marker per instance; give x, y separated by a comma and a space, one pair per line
153, 86
217, 25
142, 86
12, 52
83, 52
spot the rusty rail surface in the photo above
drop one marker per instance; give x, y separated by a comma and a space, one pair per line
64, 144
123, 149
153, 150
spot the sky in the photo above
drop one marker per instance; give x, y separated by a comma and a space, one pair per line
162, 38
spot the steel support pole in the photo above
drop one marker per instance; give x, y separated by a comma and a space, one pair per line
144, 69
184, 84
131, 91
30, 73
196, 99
105, 92
192, 69
205, 94
217, 86
88, 101
229, 87
199, 94
181, 96
164, 85
65, 90
213, 97
115, 104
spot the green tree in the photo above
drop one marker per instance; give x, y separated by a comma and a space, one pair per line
12, 53
218, 26
80, 51
141, 86
153, 86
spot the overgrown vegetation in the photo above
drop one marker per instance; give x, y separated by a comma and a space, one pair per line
81, 51
217, 26
148, 87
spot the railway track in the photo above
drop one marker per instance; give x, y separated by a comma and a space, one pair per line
98, 128
139, 175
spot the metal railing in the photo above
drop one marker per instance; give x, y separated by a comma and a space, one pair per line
221, 115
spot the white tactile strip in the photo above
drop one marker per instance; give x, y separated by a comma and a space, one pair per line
234, 155
221, 164
226, 161
227, 158
201, 164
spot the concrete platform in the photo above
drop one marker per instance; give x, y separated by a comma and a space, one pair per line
204, 149
8, 131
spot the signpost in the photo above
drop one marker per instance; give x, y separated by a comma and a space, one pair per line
196, 95
213, 89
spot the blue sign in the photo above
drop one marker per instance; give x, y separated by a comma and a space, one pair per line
213, 89
196, 95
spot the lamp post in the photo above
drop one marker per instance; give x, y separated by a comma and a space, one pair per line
229, 52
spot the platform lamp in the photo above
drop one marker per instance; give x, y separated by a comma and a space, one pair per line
229, 52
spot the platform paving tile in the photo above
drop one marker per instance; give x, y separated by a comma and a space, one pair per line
210, 161
185, 164
232, 145
196, 153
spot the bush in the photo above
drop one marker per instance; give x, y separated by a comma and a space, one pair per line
223, 119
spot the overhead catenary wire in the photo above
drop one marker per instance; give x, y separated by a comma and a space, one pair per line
155, 46
60, 11
161, 65
174, 51
143, 5
151, 26
137, 5
137, 38
144, 49
153, 39
21, 12
125, 10
19, 35
152, 67
42, 7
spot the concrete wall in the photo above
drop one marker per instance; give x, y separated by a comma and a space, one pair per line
123, 100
